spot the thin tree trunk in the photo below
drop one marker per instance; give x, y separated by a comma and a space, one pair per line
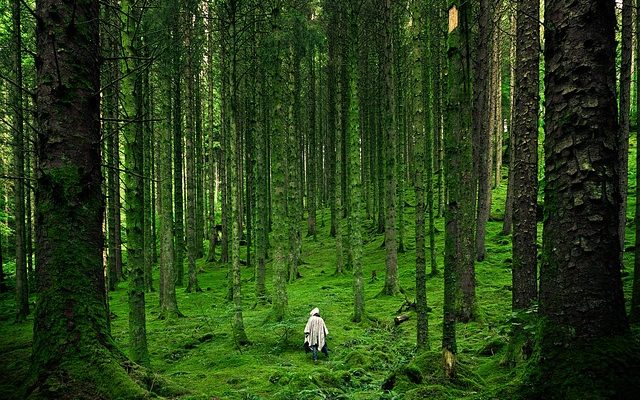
635, 296
22, 285
391, 286
482, 122
625, 113
508, 208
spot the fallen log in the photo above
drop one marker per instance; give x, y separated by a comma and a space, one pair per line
401, 318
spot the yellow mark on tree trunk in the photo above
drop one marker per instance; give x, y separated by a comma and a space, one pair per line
453, 18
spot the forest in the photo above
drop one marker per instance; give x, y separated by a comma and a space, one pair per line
452, 183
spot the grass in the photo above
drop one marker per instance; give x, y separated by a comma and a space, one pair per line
198, 351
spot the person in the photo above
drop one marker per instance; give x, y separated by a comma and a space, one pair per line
315, 334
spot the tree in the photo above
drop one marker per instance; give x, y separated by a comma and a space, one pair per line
421, 132
481, 121
22, 285
134, 179
581, 296
391, 286
635, 298
524, 164
71, 321
459, 212
624, 118
280, 227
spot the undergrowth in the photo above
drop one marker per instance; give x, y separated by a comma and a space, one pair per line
374, 359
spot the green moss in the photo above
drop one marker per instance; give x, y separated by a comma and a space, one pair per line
601, 369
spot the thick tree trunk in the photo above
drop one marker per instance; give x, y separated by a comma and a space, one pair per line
581, 294
525, 155
71, 323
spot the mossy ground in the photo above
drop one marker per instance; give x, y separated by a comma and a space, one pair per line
198, 351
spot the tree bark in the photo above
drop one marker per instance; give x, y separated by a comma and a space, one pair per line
581, 294
134, 180
391, 286
508, 207
525, 155
22, 284
71, 322
459, 291
635, 296
625, 114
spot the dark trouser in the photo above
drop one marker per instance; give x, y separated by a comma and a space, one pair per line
314, 349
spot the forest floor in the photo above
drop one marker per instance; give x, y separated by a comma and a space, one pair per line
371, 360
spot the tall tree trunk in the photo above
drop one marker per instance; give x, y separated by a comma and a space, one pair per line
332, 94
311, 158
481, 122
22, 285
508, 208
421, 133
525, 155
278, 167
71, 322
147, 146
168, 281
459, 213
391, 286
178, 159
625, 114
190, 151
581, 294
635, 297
134, 180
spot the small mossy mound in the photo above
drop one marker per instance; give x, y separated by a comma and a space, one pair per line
424, 374
601, 369
358, 359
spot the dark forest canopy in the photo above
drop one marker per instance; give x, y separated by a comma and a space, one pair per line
452, 183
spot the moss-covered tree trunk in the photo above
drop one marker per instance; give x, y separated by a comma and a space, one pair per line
525, 155
149, 214
22, 284
459, 213
134, 179
581, 296
177, 23
481, 115
212, 150
312, 153
421, 133
278, 166
190, 149
331, 8
71, 322
391, 286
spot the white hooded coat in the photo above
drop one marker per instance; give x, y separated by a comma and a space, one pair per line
316, 331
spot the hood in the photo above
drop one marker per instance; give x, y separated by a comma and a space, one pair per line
315, 311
